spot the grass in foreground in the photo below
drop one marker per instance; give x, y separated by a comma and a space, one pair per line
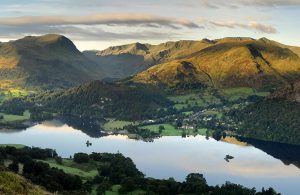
11, 183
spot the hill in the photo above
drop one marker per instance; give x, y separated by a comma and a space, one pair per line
226, 63
45, 62
274, 119
126, 60
11, 183
102, 99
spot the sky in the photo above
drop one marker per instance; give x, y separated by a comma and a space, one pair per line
98, 24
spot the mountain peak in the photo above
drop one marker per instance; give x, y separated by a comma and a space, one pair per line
53, 40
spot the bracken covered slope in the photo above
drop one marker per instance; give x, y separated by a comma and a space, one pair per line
229, 62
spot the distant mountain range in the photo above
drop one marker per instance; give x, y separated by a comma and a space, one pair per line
126, 60
53, 61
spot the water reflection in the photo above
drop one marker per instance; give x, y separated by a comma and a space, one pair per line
90, 127
288, 154
176, 156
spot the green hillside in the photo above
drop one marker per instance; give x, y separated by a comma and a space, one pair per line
105, 100
44, 62
274, 119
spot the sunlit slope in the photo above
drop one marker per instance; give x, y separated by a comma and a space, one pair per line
229, 62
45, 61
11, 183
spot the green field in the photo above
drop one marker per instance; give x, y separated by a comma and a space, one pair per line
112, 125
69, 166
11, 118
115, 188
193, 99
170, 130
213, 113
187, 113
242, 92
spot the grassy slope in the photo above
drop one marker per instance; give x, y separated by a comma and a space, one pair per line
86, 171
11, 183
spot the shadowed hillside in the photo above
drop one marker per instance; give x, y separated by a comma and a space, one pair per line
274, 119
102, 99
45, 61
126, 60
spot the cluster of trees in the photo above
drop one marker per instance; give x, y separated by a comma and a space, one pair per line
113, 169
38, 172
271, 120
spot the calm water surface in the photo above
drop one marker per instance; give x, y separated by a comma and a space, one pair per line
172, 156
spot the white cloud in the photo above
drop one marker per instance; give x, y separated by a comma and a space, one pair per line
252, 25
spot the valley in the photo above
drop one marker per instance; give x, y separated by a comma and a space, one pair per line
175, 101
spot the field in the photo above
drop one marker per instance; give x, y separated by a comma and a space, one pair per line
194, 99
170, 130
11, 118
242, 92
112, 125
213, 113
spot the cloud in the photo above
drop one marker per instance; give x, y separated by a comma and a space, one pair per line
83, 33
270, 3
216, 4
106, 19
252, 25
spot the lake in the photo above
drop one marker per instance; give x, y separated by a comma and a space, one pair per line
176, 156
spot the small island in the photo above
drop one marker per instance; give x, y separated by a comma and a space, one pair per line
228, 157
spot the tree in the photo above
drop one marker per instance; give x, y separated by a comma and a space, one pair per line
14, 166
59, 160
179, 123
81, 158
161, 128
